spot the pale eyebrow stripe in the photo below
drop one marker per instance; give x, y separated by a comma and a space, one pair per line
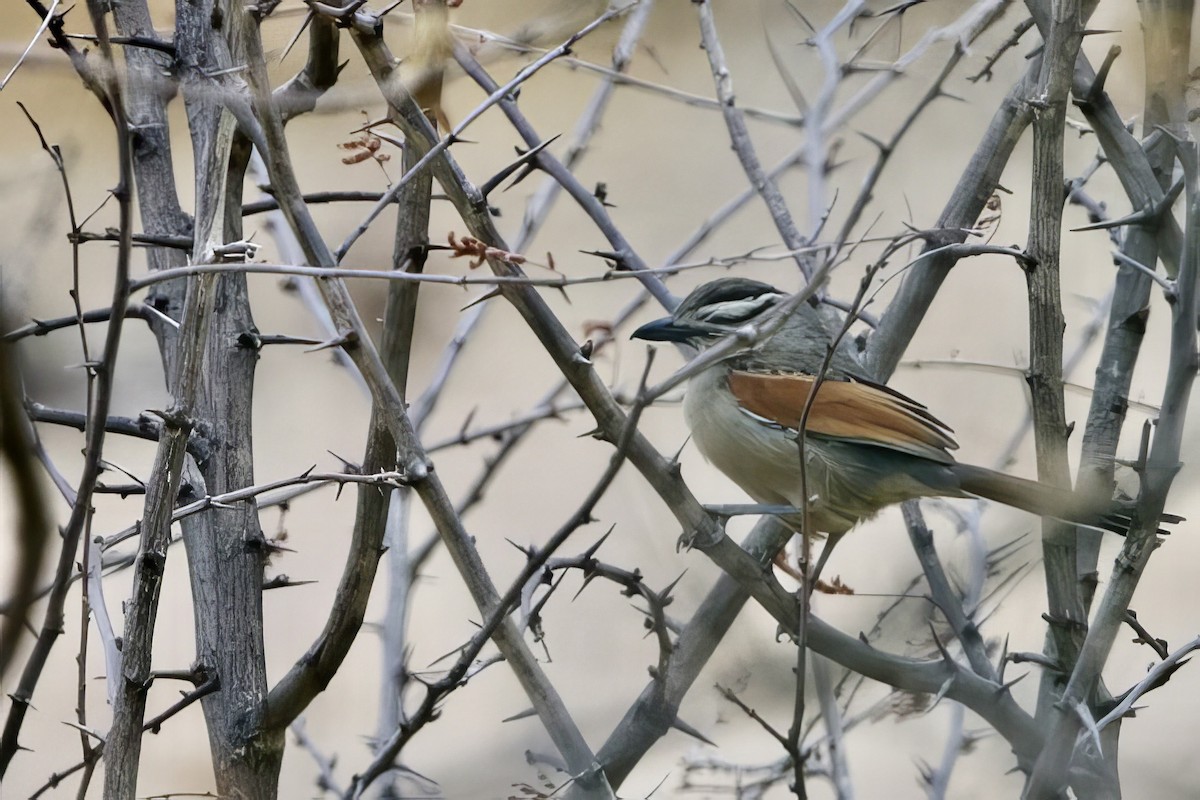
737, 309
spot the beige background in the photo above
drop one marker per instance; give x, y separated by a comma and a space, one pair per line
667, 166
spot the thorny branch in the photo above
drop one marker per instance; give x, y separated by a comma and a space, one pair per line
104, 370
980, 686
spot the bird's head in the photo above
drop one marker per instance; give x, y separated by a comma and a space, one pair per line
712, 311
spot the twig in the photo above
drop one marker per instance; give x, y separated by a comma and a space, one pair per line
225, 499
326, 781
985, 72
93, 564
47, 18
979, 181
1158, 645
292, 253
624, 253
144, 427
834, 738
886, 151
1155, 677
52, 624
744, 148
1168, 286
454, 135
587, 126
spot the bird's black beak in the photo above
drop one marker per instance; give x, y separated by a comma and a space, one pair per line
665, 330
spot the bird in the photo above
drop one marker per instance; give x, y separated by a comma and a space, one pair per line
866, 445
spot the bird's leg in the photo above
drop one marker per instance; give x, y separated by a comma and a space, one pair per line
784, 563
826, 551
836, 587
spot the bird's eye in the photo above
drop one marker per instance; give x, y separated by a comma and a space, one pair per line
735, 312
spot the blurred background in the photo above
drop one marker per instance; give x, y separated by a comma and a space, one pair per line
667, 166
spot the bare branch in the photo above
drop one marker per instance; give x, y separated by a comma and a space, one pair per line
744, 148
101, 400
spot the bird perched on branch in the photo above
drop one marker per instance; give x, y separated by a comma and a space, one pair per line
866, 446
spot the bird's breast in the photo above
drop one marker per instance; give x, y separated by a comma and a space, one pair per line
763, 460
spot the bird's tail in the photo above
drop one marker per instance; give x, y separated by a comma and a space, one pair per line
1048, 501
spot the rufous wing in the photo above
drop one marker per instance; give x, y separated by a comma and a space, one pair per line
852, 410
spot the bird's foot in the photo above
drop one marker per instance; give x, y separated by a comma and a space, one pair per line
836, 586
